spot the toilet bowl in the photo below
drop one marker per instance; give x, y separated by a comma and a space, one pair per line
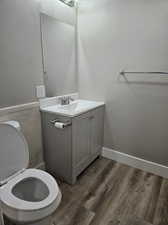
27, 196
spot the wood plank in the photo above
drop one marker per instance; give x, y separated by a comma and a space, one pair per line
99, 191
133, 198
152, 199
112, 203
161, 214
141, 199
112, 196
82, 217
128, 221
110, 193
73, 196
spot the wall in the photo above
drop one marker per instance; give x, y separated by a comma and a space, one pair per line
59, 56
58, 10
20, 51
130, 35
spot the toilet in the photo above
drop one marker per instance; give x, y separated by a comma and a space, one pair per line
27, 196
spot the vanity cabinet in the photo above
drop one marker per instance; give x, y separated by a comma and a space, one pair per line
70, 150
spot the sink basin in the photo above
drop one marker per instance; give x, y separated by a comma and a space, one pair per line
69, 107
73, 109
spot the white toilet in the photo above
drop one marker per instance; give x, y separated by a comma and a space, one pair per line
27, 196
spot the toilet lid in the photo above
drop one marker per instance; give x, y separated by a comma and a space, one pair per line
14, 153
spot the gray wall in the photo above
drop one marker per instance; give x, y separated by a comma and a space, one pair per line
20, 51
59, 56
130, 35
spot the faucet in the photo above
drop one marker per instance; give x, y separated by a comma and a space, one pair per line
65, 100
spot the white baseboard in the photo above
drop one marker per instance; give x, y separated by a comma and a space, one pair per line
133, 161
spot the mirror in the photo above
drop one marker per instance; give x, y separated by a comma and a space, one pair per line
58, 36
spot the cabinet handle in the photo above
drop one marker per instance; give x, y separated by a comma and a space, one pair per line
65, 124
54, 121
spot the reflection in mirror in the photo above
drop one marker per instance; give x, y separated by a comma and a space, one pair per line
58, 48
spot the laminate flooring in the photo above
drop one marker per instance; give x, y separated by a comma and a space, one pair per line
111, 193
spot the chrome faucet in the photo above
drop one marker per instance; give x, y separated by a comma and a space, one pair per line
65, 100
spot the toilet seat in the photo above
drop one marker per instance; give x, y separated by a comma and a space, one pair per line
11, 200
28, 210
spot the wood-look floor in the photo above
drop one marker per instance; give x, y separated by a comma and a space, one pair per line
110, 193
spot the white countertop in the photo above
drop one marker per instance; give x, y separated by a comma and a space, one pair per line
75, 108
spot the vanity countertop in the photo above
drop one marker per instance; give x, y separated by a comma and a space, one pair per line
73, 109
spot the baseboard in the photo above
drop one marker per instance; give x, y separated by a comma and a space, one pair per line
133, 161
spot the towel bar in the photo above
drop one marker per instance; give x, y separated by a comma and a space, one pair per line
139, 72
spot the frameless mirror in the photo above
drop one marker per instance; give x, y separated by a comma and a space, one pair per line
58, 30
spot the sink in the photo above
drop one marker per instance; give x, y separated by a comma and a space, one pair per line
73, 109
69, 107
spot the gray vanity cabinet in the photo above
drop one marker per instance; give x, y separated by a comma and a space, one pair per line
69, 151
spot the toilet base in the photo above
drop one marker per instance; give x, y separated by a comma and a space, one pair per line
45, 221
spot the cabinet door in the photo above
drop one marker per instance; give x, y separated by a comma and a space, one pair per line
97, 127
81, 134
57, 147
